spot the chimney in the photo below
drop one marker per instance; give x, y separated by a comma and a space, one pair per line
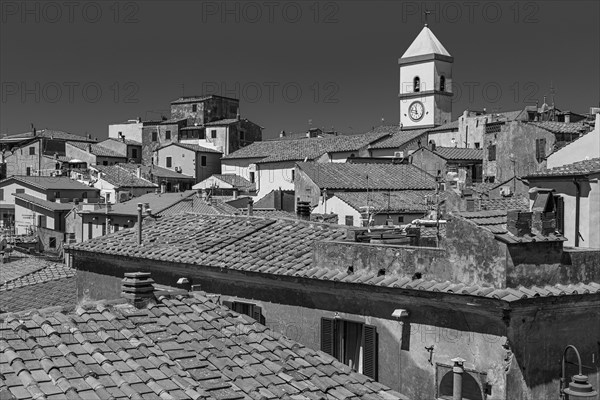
139, 119
163, 187
518, 222
56, 156
235, 193
137, 288
567, 118
138, 171
282, 134
89, 147
139, 224
89, 136
250, 207
543, 223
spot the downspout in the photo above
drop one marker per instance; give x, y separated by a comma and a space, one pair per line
577, 210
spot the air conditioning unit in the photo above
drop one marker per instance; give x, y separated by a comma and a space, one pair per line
399, 154
594, 110
124, 196
252, 168
505, 191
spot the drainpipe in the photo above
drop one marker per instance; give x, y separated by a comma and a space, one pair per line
577, 209
139, 212
458, 371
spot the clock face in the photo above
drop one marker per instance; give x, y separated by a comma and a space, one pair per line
416, 110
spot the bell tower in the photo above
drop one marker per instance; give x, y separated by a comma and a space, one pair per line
425, 83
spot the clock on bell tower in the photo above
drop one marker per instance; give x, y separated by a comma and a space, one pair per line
425, 83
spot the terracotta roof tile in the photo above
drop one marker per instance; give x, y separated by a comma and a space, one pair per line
97, 149
399, 200
562, 127
582, 167
457, 153
398, 137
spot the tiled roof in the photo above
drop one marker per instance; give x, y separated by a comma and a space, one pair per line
48, 205
97, 149
187, 99
221, 122
280, 247
57, 158
405, 200
425, 43
121, 177
562, 127
189, 146
305, 148
195, 205
399, 137
583, 167
157, 201
483, 187
495, 222
48, 133
274, 214
126, 141
155, 170
367, 176
27, 282
234, 180
504, 203
457, 153
450, 126
50, 182
178, 347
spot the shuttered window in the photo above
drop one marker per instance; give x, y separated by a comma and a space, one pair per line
540, 149
559, 204
492, 152
249, 309
352, 343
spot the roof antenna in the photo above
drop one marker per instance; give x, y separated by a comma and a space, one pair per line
552, 92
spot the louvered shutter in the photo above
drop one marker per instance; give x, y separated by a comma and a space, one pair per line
257, 314
370, 352
327, 335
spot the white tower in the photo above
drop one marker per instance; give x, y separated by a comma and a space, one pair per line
425, 83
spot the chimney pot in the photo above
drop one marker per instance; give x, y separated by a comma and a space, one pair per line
235, 194
518, 222
137, 288
543, 223
250, 207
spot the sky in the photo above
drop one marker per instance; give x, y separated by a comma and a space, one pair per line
78, 66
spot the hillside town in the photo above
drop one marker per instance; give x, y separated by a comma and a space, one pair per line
190, 257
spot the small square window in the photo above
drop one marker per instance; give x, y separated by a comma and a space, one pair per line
168, 135
213, 133
349, 220
169, 162
155, 136
32, 151
52, 243
203, 161
194, 107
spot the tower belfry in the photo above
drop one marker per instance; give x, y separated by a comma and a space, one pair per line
425, 82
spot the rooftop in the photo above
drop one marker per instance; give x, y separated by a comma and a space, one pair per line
450, 126
48, 134
405, 200
367, 176
562, 127
192, 147
191, 99
155, 170
220, 122
178, 347
50, 182
504, 203
582, 167
236, 181
97, 149
424, 44
459, 154
305, 148
398, 137
45, 204
122, 177
126, 141
194, 204
282, 247
157, 201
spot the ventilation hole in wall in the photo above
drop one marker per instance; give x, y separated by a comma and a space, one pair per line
416, 276
350, 270
381, 272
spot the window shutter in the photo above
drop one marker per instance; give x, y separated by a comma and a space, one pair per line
228, 304
327, 335
560, 213
257, 314
542, 149
370, 352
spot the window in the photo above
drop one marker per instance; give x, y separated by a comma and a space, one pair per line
194, 107
155, 136
28, 171
90, 231
108, 197
116, 227
540, 149
416, 84
103, 228
41, 221
349, 220
169, 162
251, 177
203, 161
474, 384
32, 151
352, 343
249, 309
442, 83
134, 153
470, 204
52, 243
168, 135
492, 152
104, 162
213, 133
1, 194
57, 195
84, 195
20, 191
559, 209
293, 175
476, 145
401, 219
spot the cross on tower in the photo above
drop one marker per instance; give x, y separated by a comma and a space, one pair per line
426, 12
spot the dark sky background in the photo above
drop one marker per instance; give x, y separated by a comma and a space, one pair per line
343, 55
